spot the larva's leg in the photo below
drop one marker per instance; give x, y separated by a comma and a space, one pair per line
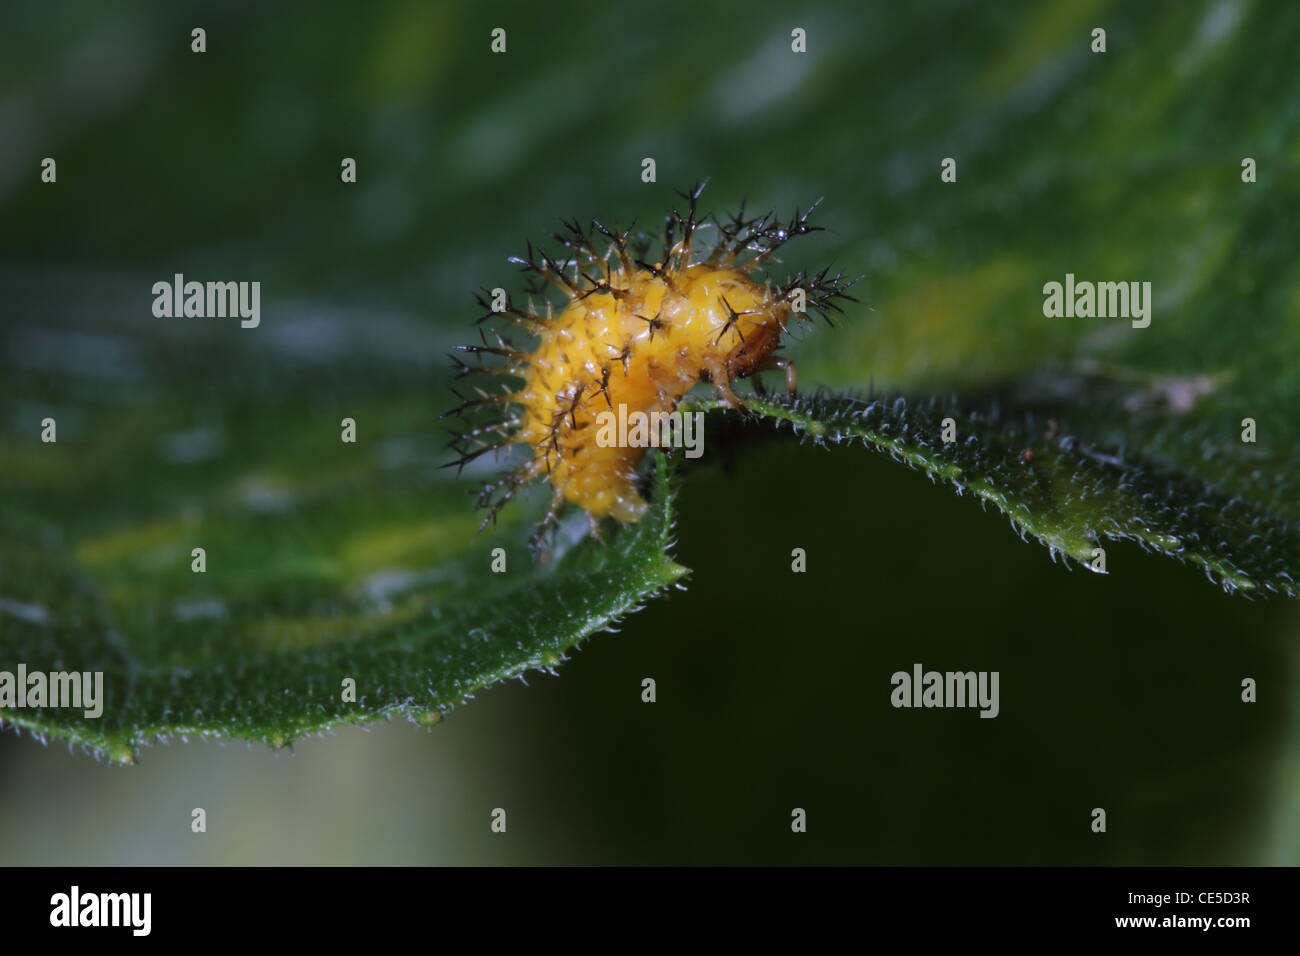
722, 385
595, 527
791, 376
775, 363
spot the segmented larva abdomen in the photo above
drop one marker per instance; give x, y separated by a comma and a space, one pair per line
634, 333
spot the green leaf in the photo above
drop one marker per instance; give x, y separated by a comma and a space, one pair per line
175, 434
374, 574
1068, 492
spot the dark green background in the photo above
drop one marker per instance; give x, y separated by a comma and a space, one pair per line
1120, 692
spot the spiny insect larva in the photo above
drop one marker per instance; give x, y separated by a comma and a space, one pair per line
633, 331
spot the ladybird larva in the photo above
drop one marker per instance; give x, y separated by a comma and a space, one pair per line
632, 331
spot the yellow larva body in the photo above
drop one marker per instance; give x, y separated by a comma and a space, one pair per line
643, 351
634, 336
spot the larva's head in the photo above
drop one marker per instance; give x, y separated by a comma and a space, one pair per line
635, 332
